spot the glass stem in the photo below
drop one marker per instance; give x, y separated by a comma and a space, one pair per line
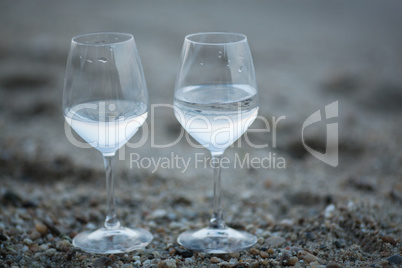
217, 221
111, 221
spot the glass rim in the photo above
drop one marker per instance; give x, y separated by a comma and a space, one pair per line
128, 37
242, 38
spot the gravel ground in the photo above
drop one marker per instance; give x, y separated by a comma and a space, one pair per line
305, 214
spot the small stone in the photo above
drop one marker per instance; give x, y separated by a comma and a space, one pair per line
156, 254
127, 265
34, 248
254, 251
169, 263
157, 214
307, 257
329, 211
52, 228
50, 252
3, 237
295, 250
25, 249
41, 228
288, 223
184, 253
396, 259
44, 247
34, 235
268, 183
12, 198
234, 254
102, 261
172, 251
215, 260
389, 239
293, 260
362, 183
333, 264
27, 241
275, 241
64, 245
310, 236
271, 251
264, 254
338, 244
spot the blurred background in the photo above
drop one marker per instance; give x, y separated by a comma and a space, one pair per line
307, 54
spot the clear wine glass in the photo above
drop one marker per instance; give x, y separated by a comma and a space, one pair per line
216, 101
105, 100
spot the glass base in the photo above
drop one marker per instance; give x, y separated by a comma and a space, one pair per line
217, 241
112, 241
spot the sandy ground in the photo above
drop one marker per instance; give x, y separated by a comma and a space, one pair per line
307, 54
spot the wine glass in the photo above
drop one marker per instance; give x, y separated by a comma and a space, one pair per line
216, 101
105, 101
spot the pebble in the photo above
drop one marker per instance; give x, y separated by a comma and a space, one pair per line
52, 228
50, 252
3, 237
307, 257
310, 236
25, 249
27, 241
333, 264
102, 261
34, 235
264, 254
215, 260
293, 260
295, 249
184, 253
275, 241
169, 263
41, 228
254, 251
156, 254
288, 223
44, 247
389, 239
234, 254
12, 198
396, 259
266, 234
329, 211
64, 245
172, 251
157, 214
